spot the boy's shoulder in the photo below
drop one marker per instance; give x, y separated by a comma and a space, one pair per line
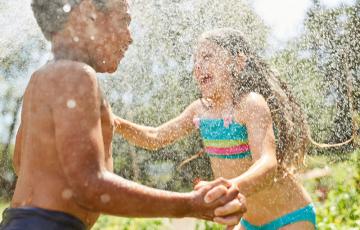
65, 74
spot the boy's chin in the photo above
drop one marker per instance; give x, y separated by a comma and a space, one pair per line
107, 68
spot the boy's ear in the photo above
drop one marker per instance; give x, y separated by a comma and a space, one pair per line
240, 62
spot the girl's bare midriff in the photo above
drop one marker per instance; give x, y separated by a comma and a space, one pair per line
282, 197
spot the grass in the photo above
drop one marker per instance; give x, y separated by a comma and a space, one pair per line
118, 223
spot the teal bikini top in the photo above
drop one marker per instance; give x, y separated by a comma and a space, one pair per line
224, 138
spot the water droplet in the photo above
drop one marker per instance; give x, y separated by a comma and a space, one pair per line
76, 39
105, 198
104, 62
92, 38
67, 8
71, 104
67, 194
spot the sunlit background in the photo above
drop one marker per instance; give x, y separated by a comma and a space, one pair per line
313, 44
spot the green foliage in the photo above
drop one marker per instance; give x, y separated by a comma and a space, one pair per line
206, 225
3, 205
337, 197
341, 210
7, 174
117, 223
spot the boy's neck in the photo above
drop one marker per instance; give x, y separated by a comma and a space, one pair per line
70, 55
69, 49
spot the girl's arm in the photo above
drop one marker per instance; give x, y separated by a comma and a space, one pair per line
154, 138
262, 144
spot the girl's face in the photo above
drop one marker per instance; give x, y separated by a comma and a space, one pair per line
212, 69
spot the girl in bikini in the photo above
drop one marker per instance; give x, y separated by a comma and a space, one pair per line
243, 104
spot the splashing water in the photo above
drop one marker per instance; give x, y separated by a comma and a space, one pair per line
155, 83
67, 8
71, 104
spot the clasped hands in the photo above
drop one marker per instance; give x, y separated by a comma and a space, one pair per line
223, 203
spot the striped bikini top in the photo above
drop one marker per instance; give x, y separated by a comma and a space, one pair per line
224, 138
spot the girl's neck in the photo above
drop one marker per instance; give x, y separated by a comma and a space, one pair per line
221, 103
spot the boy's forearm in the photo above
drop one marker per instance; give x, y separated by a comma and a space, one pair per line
114, 195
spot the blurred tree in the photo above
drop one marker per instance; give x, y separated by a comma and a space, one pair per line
333, 36
322, 66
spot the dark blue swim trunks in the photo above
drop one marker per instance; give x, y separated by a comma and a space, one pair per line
30, 218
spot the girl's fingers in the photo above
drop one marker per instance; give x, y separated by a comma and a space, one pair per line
229, 208
215, 193
218, 181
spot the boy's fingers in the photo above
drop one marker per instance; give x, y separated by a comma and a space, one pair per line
228, 220
200, 184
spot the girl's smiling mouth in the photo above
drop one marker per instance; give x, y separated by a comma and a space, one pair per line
205, 79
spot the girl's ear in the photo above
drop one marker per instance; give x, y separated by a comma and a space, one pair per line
240, 62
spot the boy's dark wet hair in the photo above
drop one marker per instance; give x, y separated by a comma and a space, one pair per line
51, 15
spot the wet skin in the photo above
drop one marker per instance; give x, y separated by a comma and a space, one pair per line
63, 155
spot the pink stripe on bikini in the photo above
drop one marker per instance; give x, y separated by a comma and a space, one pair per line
228, 151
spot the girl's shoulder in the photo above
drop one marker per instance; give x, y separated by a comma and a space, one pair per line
249, 100
249, 104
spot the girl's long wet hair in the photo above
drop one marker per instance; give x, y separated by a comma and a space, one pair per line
290, 126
